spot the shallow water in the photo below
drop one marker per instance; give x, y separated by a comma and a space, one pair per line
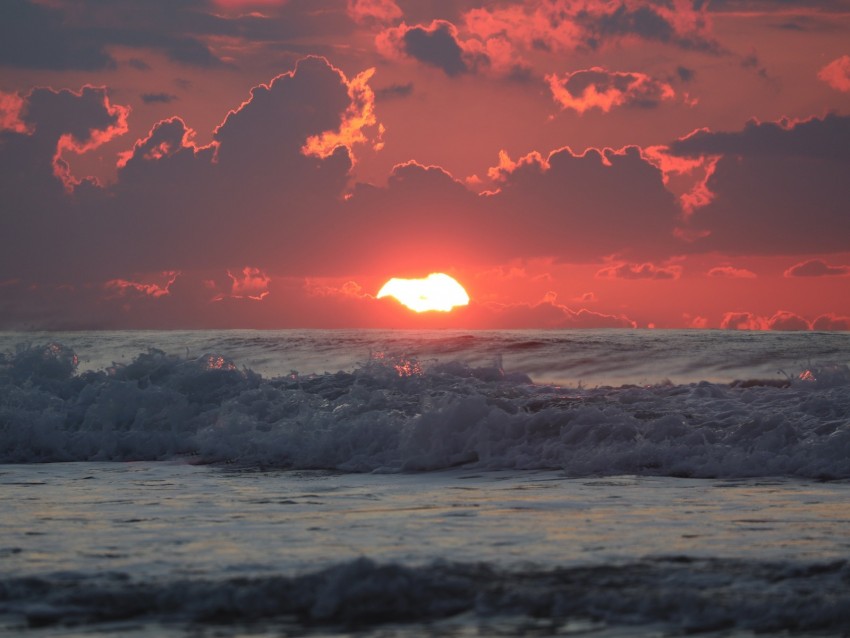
84, 531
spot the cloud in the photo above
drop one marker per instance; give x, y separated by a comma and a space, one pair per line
358, 116
365, 11
639, 271
831, 322
436, 45
775, 188
784, 320
565, 26
78, 35
11, 105
817, 268
546, 313
686, 177
83, 35
42, 128
731, 272
440, 45
251, 196
837, 74
604, 90
394, 91
36, 36
742, 321
126, 288
250, 283
581, 207
815, 138
158, 98
495, 39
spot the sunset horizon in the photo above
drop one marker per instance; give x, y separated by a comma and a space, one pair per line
448, 318
270, 164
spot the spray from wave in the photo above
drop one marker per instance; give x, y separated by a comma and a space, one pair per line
395, 413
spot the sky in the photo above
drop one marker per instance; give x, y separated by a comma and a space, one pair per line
572, 163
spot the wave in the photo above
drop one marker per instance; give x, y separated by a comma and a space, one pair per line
394, 414
677, 593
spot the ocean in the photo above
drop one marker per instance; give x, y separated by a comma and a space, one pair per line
411, 483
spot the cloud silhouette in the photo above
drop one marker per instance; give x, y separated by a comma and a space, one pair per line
436, 45
158, 98
251, 196
777, 187
817, 268
640, 271
591, 205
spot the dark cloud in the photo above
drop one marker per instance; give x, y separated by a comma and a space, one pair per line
777, 187
685, 74
817, 138
436, 46
254, 197
138, 64
778, 6
784, 320
817, 268
35, 36
640, 271
586, 206
394, 91
642, 21
78, 34
158, 98
592, 25
831, 322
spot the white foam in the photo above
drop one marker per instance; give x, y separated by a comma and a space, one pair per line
398, 414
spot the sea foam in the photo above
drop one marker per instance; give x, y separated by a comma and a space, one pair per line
394, 413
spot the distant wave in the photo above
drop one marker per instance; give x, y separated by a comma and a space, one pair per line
674, 593
395, 414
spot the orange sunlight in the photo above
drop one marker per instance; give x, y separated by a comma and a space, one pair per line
437, 291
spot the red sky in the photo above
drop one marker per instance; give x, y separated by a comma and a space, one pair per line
271, 163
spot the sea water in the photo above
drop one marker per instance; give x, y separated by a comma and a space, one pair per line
373, 483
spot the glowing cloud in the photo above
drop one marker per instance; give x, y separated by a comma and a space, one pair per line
837, 74
363, 11
11, 105
731, 272
603, 89
359, 115
437, 291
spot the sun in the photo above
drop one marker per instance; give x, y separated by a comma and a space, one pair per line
437, 291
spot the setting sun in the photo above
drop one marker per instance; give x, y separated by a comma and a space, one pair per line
437, 291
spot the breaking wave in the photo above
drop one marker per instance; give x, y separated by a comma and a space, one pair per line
396, 414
